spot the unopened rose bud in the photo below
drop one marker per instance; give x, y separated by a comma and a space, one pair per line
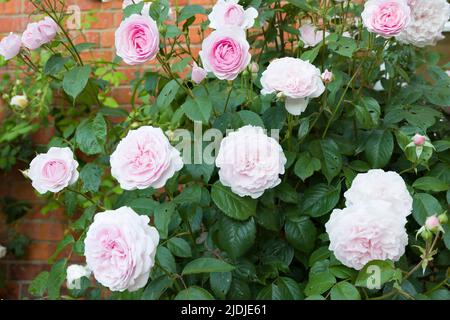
18, 82
5, 96
2, 251
135, 125
327, 76
432, 223
280, 95
19, 101
198, 73
254, 68
443, 219
426, 235
162, 29
419, 140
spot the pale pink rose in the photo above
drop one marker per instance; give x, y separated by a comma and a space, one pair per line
419, 140
39, 33
10, 46
225, 53
250, 162
137, 39
387, 18
380, 185
198, 74
120, 249
144, 158
432, 223
311, 36
229, 13
327, 76
371, 230
54, 170
254, 68
295, 79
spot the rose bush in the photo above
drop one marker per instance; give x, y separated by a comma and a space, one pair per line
324, 183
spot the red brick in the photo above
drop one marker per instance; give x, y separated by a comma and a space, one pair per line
26, 271
16, 24
42, 230
104, 20
40, 251
9, 7
107, 39
11, 291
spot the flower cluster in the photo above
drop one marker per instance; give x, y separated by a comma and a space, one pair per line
372, 226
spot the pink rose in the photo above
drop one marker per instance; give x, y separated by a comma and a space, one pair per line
310, 35
10, 46
250, 162
225, 52
144, 158
39, 33
371, 230
386, 17
54, 170
198, 74
137, 39
120, 249
229, 13
295, 79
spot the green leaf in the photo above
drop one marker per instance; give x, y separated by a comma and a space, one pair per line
56, 279
425, 205
70, 202
234, 206
194, 293
190, 11
55, 64
167, 94
157, 287
306, 165
343, 46
179, 247
91, 175
344, 291
319, 283
327, 151
367, 112
282, 289
198, 109
143, 205
66, 241
190, 195
91, 135
163, 214
430, 184
379, 148
375, 273
250, 118
220, 283
320, 199
301, 233
311, 55
165, 259
236, 237
38, 286
75, 80
206, 265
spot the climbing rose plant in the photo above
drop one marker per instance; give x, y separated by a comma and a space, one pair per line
302, 153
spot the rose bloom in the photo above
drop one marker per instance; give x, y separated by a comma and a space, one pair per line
144, 158
386, 17
10, 46
120, 249
20, 101
310, 35
327, 76
137, 39
419, 140
229, 13
380, 185
427, 23
225, 53
371, 230
198, 74
54, 170
295, 79
39, 33
74, 273
250, 162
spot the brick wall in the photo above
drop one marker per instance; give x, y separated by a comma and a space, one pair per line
45, 231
